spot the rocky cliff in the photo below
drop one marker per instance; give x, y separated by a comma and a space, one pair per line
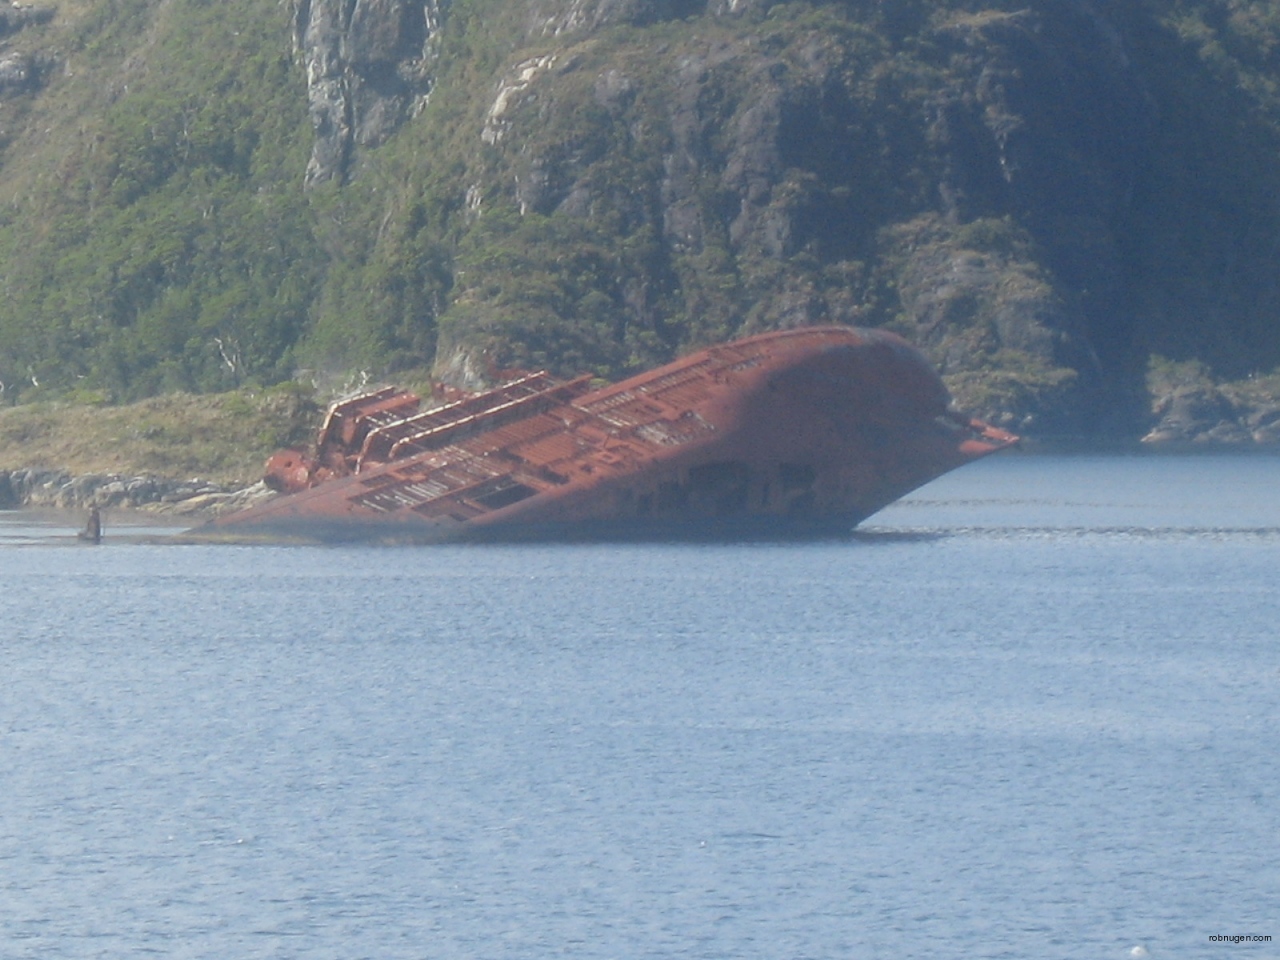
368, 66
1049, 197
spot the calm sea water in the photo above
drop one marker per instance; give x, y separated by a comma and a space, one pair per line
1031, 711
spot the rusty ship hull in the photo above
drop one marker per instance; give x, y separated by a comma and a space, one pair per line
796, 433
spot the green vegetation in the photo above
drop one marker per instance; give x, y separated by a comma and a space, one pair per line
223, 437
159, 240
653, 181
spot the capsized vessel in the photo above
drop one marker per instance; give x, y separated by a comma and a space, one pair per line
800, 432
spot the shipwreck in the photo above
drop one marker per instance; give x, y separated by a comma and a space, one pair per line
802, 432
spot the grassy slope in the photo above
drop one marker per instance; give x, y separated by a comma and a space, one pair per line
223, 437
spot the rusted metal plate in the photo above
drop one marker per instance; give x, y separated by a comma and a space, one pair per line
799, 431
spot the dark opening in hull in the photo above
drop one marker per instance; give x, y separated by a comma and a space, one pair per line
798, 433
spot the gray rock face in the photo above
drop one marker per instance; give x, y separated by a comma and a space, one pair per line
549, 18
1050, 130
20, 15
16, 72
368, 68
23, 72
1203, 412
1196, 414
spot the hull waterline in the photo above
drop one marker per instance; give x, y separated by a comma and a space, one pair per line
797, 433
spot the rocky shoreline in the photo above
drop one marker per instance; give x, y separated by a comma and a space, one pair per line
57, 489
1207, 413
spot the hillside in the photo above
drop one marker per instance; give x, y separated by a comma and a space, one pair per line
1072, 206
224, 438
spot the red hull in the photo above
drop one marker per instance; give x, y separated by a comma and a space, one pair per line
799, 432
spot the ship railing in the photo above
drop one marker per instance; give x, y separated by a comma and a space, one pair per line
347, 420
469, 416
489, 419
377, 443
